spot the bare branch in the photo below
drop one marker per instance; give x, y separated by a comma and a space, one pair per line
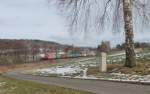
84, 15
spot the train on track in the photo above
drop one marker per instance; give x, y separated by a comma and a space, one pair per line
63, 55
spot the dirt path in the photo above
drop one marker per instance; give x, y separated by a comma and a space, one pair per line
98, 87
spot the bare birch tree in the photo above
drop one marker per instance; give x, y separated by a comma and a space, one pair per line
89, 15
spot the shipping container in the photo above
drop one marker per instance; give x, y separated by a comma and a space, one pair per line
63, 55
57, 54
50, 55
76, 54
69, 54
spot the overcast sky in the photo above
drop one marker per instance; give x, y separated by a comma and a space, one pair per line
36, 19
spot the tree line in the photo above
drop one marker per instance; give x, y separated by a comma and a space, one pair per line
136, 45
12, 52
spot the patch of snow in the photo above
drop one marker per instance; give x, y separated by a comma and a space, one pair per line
145, 82
86, 77
92, 65
131, 78
79, 70
2, 84
59, 70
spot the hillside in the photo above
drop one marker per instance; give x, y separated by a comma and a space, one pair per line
24, 51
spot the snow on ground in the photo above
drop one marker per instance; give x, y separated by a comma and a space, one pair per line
79, 70
59, 70
90, 77
2, 84
68, 70
129, 77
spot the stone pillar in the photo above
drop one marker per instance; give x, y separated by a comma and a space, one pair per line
102, 51
103, 65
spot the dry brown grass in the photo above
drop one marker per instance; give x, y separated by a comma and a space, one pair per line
35, 65
93, 70
5, 68
140, 69
110, 67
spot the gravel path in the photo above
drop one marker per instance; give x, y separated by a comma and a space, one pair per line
98, 87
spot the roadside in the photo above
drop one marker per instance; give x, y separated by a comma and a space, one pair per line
10, 85
13, 86
94, 86
89, 69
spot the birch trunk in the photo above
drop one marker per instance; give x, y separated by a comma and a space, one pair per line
128, 27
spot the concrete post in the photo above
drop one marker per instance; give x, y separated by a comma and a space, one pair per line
103, 65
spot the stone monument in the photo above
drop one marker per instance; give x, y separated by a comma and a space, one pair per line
103, 65
102, 56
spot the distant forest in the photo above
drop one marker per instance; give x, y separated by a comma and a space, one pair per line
25, 51
136, 45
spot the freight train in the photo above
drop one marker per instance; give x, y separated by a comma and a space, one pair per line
60, 55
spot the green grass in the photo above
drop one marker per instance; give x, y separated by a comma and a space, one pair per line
12, 86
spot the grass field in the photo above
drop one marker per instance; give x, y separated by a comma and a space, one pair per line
12, 86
